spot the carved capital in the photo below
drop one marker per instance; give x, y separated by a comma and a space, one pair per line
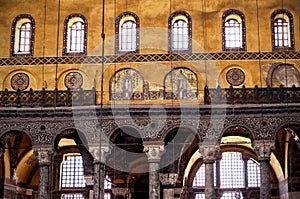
154, 151
120, 191
263, 149
209, 152
168, 178
100, 153
43, 154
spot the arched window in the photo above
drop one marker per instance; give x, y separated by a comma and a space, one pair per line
75, 35
72, 176
22, 35
234, 30
181, 83
234, 173
180, 32
282, 30
127, 33
126, 84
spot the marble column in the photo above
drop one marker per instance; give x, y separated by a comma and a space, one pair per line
168, 180
209, 153
100, 155
263, 149
154, 152
44, 156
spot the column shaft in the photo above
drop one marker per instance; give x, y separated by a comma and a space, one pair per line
96, 187
154, 183
209, 181
265, 182
44, 192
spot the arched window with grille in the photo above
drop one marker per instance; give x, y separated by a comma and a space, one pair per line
282, 30
234, 30
127, 33
180, 32
75, 35
22, 35
234, 174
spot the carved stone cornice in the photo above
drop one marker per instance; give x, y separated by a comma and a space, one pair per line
44, 154
154, 151
209, 152
168, 178
263, 149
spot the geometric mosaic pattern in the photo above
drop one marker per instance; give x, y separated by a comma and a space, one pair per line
73, 80
235, 76
151, 58
19, 81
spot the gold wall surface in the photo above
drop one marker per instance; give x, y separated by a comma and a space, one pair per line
206, 18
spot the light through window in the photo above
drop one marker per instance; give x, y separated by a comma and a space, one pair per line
128, 36
77, 37
233, 34
231, 161
72, 172
72, 196
180, 35
25, 34
281, 33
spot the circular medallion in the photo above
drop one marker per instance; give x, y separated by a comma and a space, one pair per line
73, 80
19, 81
235, 76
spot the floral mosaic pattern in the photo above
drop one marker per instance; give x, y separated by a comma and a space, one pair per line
20, 81
235, 77
73, 80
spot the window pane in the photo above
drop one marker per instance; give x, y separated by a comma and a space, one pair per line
231, 170
231, 195
72, 196
69, 177
128, 36
77, 37
281, 33
253, 172
180, 35
233, 34
200, 196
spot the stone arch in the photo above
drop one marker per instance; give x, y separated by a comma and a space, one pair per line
291, 76
240, 130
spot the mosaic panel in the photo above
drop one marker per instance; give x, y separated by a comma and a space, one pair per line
235, 76
73, 80
19, 81
181, 83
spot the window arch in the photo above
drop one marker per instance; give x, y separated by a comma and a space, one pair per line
180, 32
75, 35
127, 33
126, 84
181, 83
282, 30
234, 30
22, 35
234, 174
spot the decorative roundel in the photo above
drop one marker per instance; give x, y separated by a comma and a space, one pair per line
73, 80
19, 81
235, 76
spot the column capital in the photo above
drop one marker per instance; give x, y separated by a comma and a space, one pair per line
168, 178
154, 151
117, 191
43, 154
209, 152
100, 153
263, 149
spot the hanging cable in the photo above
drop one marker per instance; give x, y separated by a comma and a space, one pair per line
57, 40
258, 43
44, 85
